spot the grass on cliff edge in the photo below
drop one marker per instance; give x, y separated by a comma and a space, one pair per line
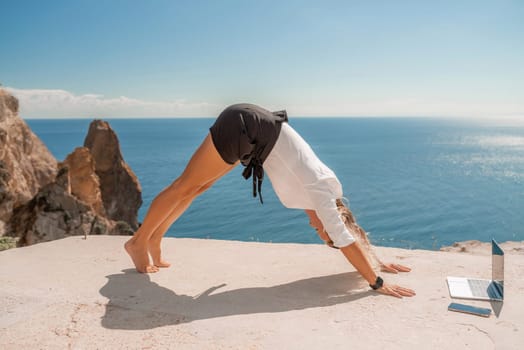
7, 243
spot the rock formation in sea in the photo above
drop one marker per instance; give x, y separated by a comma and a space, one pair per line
121, 191
93, 191
83, 181
56, 213
26, 164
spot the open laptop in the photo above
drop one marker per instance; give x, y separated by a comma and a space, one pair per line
482, 289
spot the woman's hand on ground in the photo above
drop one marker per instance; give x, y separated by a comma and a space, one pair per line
396, 291
394, 268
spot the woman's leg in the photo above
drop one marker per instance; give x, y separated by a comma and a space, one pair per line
154, 246
205, 167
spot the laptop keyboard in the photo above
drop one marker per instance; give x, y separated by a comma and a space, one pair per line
479, 288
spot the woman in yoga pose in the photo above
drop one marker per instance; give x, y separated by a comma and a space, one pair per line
263, 142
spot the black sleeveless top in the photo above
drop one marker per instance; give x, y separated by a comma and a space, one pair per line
247, 132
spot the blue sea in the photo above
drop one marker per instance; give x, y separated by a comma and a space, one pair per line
411, 182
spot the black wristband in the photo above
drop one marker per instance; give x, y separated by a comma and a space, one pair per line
378, 283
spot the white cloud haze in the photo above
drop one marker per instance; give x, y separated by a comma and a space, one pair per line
47, 103
414, 107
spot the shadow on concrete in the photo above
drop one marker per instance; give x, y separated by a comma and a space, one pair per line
497, 307
135, 302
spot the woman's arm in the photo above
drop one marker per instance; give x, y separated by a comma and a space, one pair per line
362, 237
356, 256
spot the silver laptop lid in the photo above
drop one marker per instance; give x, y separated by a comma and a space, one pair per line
497, 266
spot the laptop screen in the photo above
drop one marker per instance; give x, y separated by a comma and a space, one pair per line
497, 265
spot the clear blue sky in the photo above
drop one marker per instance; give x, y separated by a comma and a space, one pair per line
168, 57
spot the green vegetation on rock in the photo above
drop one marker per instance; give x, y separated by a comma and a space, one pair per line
7, 243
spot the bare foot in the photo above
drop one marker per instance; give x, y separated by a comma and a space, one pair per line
156, 254
140, 257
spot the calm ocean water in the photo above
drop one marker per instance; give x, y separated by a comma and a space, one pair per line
412, 183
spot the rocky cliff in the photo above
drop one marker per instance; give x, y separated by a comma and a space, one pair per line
82, 181
93, 191
121, 191
26, 164
56, 213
